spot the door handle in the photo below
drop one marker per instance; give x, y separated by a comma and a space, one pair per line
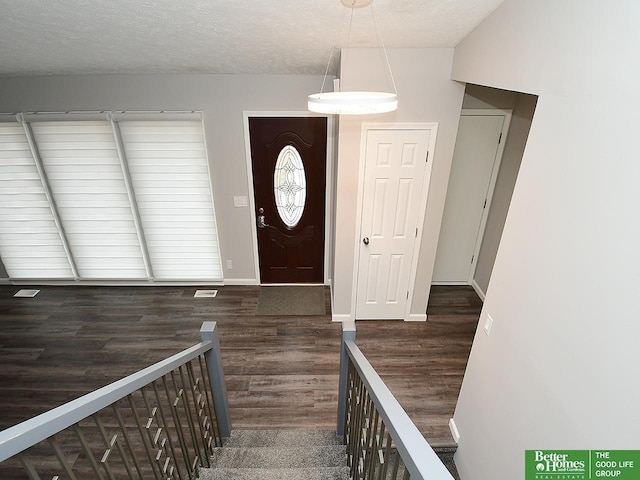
365, 240
261, 222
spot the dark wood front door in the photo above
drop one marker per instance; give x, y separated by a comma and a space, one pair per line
288, 156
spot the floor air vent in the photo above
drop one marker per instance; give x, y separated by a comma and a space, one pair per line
205, 293
24, 293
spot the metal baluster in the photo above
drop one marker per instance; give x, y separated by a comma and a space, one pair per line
178, 426
154, 440
188, 389
166, 428
350, 395
29, 468
374, 444
366, 434
109, 446
346, 435
202, 416
206, 421
396, 461
368, 444
387, 456
353, 420
87, 451
141, 429
372, 436
61, 458
127, 440
364, 430
361, 402
208, 395
351, 412
347, 408
382, 461
182, 399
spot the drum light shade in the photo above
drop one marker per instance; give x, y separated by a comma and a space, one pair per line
353, 103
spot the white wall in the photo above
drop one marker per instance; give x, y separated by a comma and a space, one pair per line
560, 368
426, 94
222, 99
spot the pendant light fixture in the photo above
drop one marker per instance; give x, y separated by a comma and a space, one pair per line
354, 102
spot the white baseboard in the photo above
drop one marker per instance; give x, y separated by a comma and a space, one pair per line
241, 281
5, 281
341, 317
454, 430
478, 290
416, 317
450, 283
116, 283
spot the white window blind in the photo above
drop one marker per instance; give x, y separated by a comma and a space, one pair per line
30, 242
170, 176
86, 179
102, 196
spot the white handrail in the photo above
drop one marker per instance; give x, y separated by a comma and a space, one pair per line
18, 438
416, 453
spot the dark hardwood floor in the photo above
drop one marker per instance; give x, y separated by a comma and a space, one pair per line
423, 363
282, 372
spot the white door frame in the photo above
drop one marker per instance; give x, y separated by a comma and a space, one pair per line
328, 183
472, 112
366, 127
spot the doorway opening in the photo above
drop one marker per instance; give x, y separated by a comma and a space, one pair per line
492, 135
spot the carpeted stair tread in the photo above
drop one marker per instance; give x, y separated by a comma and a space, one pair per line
279, 457
445, 454
282, 438
316, 473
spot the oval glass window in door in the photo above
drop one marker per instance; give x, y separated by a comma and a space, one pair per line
289, 186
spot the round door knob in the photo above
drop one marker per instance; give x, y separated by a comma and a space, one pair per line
365, 240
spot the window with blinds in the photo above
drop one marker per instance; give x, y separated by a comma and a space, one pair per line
30, 242
170, 176
106, 199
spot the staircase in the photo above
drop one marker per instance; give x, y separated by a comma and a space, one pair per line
279, 454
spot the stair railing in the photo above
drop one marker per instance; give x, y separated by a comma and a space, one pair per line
382, 441
161, 422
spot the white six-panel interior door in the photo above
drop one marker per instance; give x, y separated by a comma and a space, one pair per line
394, 191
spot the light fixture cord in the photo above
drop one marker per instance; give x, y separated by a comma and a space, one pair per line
333, 47
375, 27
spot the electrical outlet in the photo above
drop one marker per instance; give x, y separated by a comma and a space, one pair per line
229, 264
488, 324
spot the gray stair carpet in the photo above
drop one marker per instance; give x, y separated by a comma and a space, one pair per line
279, 455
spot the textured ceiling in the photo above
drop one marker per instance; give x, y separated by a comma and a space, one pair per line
42, 37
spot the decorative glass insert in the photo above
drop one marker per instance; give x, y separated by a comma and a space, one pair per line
290, 186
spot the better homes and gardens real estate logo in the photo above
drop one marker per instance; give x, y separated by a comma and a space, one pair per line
557, 464
582, 464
